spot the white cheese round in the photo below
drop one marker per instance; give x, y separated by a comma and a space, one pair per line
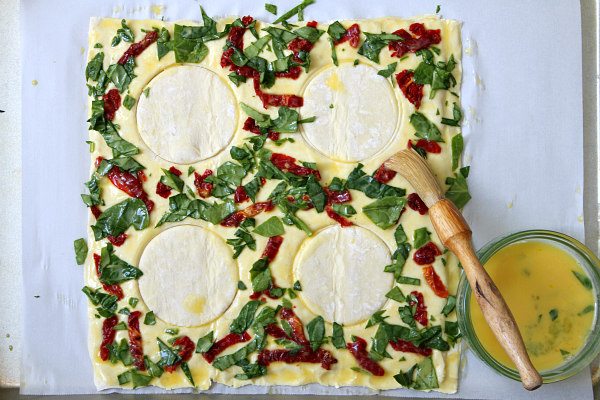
356, 110
341, 273
190, 277
189, 114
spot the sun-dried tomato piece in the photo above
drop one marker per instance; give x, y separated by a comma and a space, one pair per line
117, 240
312, 24
429, 146
286, 163
175, 171
421, 38
222, 344
358, 349
344, 222
108, 336
412, 91
204, 188
408, 347
135, 340
236, 218
130, 184
306, 355
250, 126
115, 289
435, 282
414, 202
426, 254
352, 36
163, 190
240, 195
137, 48
276, 100
384, 174
292, 73
96, 212
276, 332
337, 196
296, 324
421, 310
272, 248
298, 45
141, 175
185, 350
112, 102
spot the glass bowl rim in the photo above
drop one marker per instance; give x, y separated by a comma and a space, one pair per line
588, 261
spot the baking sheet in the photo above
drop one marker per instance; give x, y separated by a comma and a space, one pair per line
523, 131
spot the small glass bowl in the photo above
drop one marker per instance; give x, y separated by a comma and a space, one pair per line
588, 261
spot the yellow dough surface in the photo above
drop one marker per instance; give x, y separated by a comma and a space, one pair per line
189, 116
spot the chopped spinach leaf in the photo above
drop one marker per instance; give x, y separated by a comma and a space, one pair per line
421, 237
272, 8
116, 219
271, 227
106, 303
297, 10
81, 250
396, 294
388, 71
205, 343
458, 192
425, 129
337, 338
149, 318
113, 270
345, 210
316, 332
359, 180
135, 378
124, 33
374, 43
128, 102
385, 211
450, 305
457, 148
457, 116
245, 317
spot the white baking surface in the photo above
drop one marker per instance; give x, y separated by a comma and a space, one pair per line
523, 128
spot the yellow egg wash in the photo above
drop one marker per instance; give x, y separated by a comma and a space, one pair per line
549, 295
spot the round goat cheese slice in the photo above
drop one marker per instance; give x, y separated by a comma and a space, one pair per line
190, 277
341, 272
356, 110
189, 114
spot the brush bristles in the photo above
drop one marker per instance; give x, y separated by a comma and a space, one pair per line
415, 170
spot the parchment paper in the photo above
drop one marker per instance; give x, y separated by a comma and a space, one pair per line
523, 128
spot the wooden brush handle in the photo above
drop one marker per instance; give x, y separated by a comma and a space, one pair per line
455, 233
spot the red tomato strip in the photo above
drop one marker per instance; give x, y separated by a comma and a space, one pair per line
221, 345
358, 349
240, 195
421, 38
236, 218
421, 310
135, 340
250, 126
411, 90
108, 336
185, 350
306, 355
426, 254
384, 174
428, 145
276, 332
414, 202
130, 184
435, 282
204, 188
137, 48
408, 347
272, 248
112, 102
298, 336
286, 163
352, 36
163, 190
